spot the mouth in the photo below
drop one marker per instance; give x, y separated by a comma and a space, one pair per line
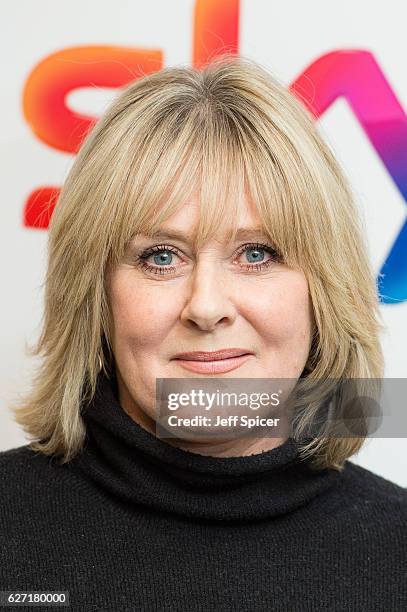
225, 353
216, 362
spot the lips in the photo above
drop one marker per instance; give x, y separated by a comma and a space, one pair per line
213, 366
226, 353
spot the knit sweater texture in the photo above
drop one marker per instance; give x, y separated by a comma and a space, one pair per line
134, 523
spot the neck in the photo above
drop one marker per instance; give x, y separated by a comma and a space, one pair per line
135, 467
226, 447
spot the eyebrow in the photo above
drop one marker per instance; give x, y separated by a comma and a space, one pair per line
241, 233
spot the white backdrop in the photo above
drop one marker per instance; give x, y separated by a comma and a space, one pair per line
285, 38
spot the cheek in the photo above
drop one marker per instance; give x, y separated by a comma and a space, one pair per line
284, 313
140, 316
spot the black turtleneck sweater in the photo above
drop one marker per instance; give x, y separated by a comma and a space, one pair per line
133, 523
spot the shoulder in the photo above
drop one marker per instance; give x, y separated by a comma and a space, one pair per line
372, 485
23, 470
15, 453
12, 459
37, 487
366, 512
374, 495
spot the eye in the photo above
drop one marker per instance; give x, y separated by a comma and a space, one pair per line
162, 256
255, 253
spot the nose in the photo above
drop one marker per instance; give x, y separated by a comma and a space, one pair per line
208, 302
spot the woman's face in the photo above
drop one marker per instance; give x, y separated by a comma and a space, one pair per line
226, 295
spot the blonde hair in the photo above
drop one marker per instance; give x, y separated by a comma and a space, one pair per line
230, 127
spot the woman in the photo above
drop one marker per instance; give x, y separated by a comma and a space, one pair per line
203, 212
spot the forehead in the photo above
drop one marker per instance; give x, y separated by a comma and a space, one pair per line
185, 219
